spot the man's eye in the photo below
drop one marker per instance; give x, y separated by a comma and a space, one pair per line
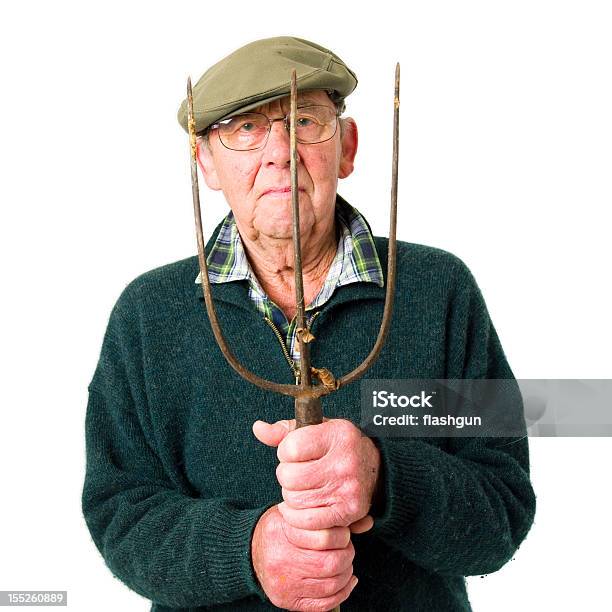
304, 122
247, 127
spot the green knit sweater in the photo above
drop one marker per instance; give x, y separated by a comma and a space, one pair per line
176, 481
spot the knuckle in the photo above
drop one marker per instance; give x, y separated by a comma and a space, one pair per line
303, 604
281, 474
346, 556
324, 538
307, 604
288, 449
350, 552
319, 587
339, 517
351, 489
288, 497
353, 507
337, 537
337, 583
298, 500
290, 533
346, 466
311, 519
332, 564
344, 537
332, 586
344, 426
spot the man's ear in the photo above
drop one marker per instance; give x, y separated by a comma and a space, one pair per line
207, 165
349, 148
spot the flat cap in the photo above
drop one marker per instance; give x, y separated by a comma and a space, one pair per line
260, 72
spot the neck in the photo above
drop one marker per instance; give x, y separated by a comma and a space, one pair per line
272, 260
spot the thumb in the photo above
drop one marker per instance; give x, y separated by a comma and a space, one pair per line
272, 434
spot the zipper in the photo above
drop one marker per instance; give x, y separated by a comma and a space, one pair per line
279, 337
314, 316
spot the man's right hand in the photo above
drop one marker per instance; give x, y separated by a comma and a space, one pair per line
302, 569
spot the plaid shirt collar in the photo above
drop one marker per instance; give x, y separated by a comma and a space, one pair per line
355, 261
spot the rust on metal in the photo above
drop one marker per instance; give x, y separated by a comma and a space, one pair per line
191, 122
305, 334
326, 378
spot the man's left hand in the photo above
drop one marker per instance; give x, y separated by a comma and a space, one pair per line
328, 473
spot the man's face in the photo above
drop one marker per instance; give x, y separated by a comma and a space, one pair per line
257, 184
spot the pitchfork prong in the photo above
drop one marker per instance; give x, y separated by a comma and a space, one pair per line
268, 385
391, 257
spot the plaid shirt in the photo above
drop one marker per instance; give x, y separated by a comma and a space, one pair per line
355, 261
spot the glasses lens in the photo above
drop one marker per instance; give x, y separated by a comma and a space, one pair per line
315, 124
244, 132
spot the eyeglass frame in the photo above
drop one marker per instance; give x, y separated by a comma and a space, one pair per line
285, 119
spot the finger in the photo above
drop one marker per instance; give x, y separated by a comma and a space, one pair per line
319, 539
305, 444
328, 603
326, 587
312, 498
311, 518
362, 525
301, 476
272, 434
334, 562
323, 563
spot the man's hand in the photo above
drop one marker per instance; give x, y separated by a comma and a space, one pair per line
302, 570
328, 473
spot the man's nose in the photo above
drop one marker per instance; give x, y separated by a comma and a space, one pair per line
278, 147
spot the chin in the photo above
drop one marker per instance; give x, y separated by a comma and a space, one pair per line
281, 226
278, 231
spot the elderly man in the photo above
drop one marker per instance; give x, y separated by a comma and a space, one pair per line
181, 499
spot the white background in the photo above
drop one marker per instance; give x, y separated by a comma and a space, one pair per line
506, 153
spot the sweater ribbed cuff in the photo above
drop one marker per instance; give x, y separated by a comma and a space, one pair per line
228, 545
406, 477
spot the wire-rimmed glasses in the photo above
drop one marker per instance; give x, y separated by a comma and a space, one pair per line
249, 131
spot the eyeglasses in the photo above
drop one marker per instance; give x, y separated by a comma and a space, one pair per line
250, 131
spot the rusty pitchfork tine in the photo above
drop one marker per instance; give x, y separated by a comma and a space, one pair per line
305, 391
391, 256
210, 306
308, 409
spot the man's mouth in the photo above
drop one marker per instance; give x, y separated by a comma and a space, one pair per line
279, 190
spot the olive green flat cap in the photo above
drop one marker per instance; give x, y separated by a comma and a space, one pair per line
260, 72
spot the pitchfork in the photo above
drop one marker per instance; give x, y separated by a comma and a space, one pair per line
307, 395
